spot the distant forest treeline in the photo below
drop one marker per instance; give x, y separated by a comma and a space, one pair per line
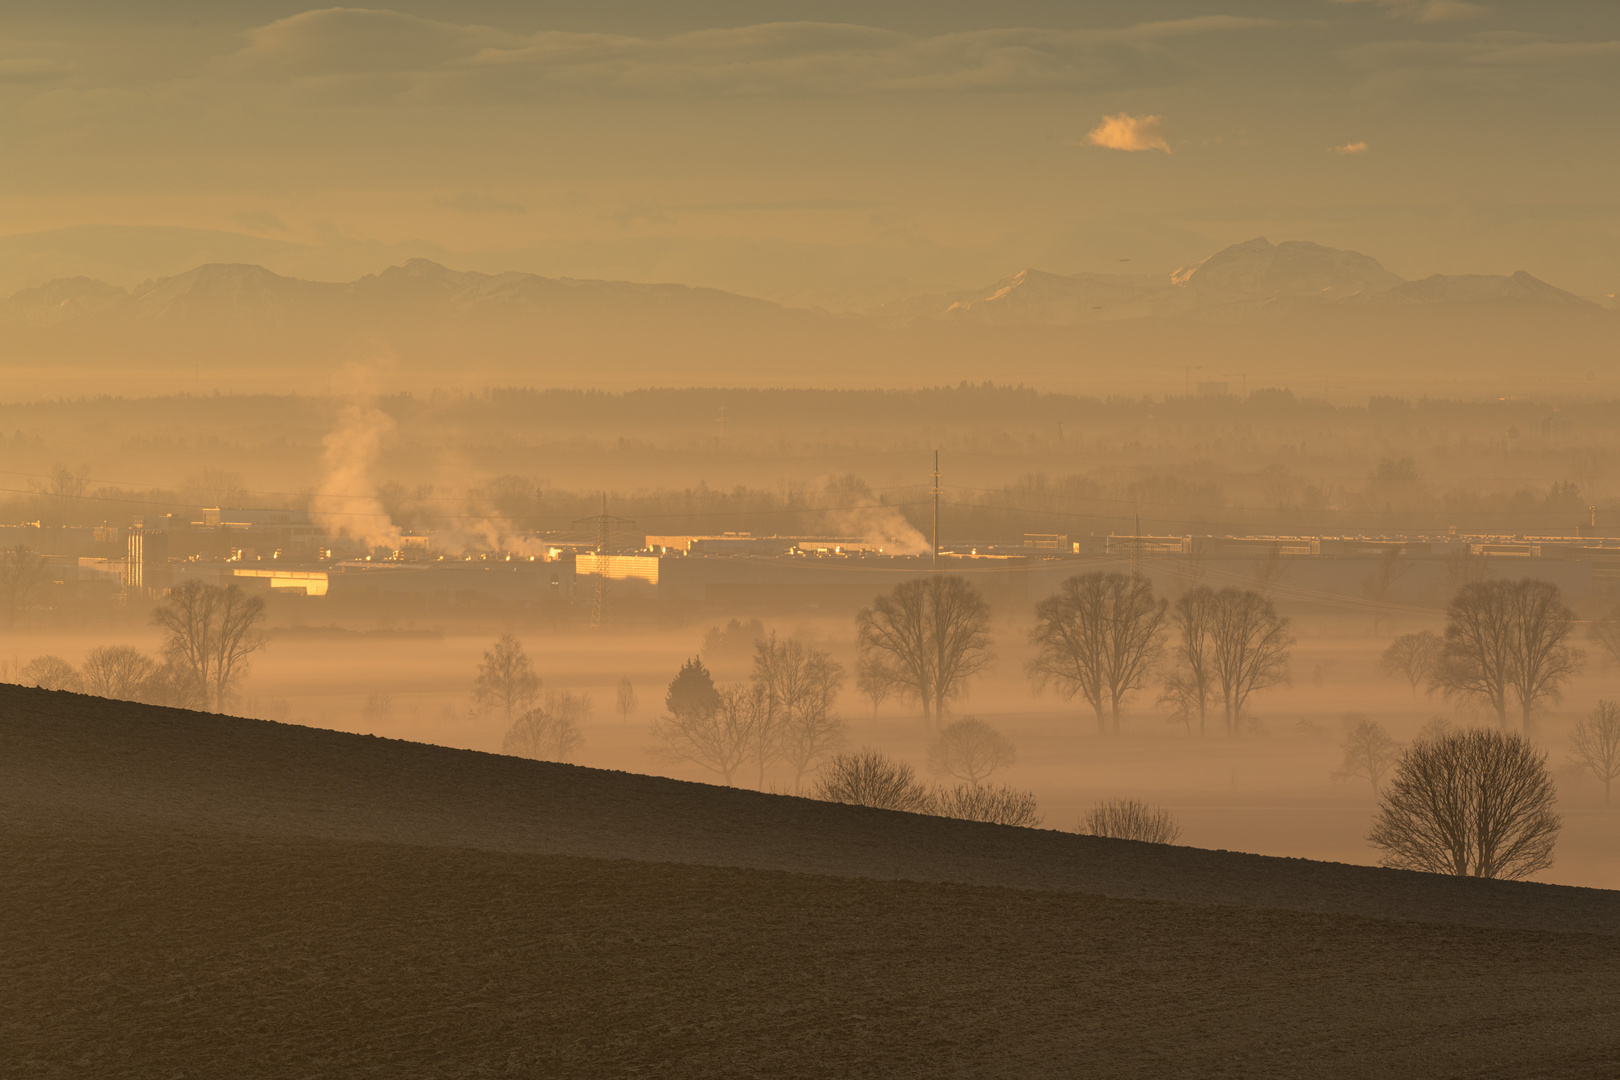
825, 461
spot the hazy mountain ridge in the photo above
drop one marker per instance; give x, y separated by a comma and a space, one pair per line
1252, 280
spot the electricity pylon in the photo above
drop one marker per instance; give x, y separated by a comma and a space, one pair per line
604, 523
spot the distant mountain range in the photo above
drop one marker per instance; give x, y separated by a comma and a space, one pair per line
1252, 280
1289, 312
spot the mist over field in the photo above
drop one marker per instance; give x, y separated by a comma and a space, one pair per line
631, 504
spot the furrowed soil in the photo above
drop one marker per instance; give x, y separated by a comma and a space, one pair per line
186, 895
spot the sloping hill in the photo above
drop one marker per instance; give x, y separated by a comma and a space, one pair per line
194, 895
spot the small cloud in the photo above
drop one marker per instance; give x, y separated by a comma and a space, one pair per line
1127, 132
469, 202
1349, 148
260, 221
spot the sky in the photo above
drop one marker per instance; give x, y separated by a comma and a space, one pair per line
834, 154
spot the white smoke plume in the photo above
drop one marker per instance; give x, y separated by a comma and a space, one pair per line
856, 512
347, 502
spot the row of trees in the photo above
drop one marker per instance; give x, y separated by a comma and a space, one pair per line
785, 713
1506, 647
1101, 637
211, 631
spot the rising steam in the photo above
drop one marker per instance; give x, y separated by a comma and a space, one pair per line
347, 502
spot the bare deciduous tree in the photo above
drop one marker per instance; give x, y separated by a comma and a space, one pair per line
1130, 819
1002, 805
1098, 636
970, 750
506, 682
1193, 677
869, 778
716, 735
1413, 657
51, 673
626, 702
1595, 744
1475, 803
23, 576
1606, 632
1464, 567
933, 634
1250, 652
1369, 752
212, 631
549, 731
1508, 637
876, 680
378, 709
120, 672
801, 686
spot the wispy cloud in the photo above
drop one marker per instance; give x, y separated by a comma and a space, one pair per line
1349, 148
1427, 11
371, 55
1126, 132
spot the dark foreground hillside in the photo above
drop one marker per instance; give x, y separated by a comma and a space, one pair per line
195, 896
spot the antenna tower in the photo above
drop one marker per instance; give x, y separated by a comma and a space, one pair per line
604, 523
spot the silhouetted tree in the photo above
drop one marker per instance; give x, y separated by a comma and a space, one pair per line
869, 778
1475, 803
1413, 657
1130, 819
626, 701
1369, 752
23, 576
120, 672
1193, 676
934, 635
692, 690
801, 686
970, 750
212, 631
1098, 636
876, 680
1002, 805
51, 673
1250, 652
716, 733
506, 682
1508, 636
1606, 632
550, 730
1595, 743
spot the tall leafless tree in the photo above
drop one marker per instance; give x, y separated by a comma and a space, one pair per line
1098, 636
801, 685
506, 682
1474, 803
23, 576
626, 701
120, 672
1413, 657
876, 680
1192, 679
212, 632
933, 633
1369, 752
970, 750
1595, 744
1250, 653
1507, 641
